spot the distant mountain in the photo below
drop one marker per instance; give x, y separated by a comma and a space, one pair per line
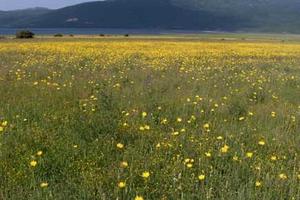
159, 14
260, 15
229, 15
19, 17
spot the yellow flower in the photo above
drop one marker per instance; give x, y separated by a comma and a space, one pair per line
224, 149
249, 154
208, 154
175, 133
273, 114
124, 164
201, 177
189, 165
39, 153
241, 118
117, 85
206, 126
235, 158
258, 183
219, 138
146, 174
33, 163
144, 114
147, 127
138, 198
44, 184
164, 121
120, 145
283, 176
262, 142
4, 124
1, 129
273, 158
179, 119
121, 184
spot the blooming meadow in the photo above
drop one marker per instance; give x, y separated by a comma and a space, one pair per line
149, 119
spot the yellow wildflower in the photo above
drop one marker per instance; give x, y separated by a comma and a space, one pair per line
258, 183
241, 118
164, 121
39, 153
146, 174
201, 177
144, 114
121, 184
124, 164
283, 176
4, 124
219, 138
208, 154
249, 154
147, 127
33, 163
189, 165
273, 158
120, 145
44, 185
138, 198
235, 158
224, 149
206, 126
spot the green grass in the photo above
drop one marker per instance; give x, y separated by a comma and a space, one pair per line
76, 99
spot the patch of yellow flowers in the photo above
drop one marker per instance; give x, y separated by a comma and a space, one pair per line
197, 130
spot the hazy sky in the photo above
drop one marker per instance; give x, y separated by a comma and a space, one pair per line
19, 4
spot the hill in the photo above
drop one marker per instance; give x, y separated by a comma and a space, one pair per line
17, 18
253, 15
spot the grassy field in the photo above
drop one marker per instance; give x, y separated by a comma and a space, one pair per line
149, 119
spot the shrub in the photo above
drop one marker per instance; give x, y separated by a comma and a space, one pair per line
24, 34
58, 35
101, 35
126, 35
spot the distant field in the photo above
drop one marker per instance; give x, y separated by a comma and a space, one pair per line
150, 118
264, 37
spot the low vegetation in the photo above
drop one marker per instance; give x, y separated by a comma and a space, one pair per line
149, 119
24, 34
58, 35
